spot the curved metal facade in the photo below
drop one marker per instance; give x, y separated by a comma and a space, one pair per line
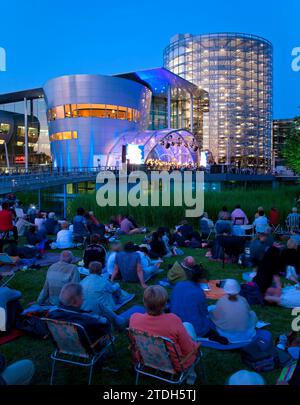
236, 70
78, 139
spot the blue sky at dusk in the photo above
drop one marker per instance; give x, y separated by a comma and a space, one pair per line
49, 38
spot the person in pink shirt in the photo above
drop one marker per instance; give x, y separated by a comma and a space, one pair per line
157, 323
128, 228
238, 217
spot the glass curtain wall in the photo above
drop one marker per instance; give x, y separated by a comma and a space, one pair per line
236, 71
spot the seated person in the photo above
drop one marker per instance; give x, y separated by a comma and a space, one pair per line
188, 301
128, 266
289, 297
110, 264
224, 211
267, 277
261, 222
58, 275
232, 315
6, 220
128, 228
245, 377
69, 310
64, 238
206, 225
258, 246
149, 266
224, 225
51, 225
274, 217
257, 212
39, 221
36, 238
100, 295
18, 373
181, 271
238, 217
157, 323
23, 225
165, 237
94, 252
290, 257
183, 233
94, 225
157, 246
80, 228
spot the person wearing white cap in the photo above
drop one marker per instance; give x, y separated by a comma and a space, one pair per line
245, 377
233, 316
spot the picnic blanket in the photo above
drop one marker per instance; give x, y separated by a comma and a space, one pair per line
231, 346
215, 292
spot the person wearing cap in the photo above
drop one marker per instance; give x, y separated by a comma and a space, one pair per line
58, 275
188, 301
245, 377
233, 316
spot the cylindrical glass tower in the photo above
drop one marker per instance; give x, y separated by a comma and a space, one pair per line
237, 71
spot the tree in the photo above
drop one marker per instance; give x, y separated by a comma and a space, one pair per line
291, 149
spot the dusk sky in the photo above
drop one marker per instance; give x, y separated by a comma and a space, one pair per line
49, 38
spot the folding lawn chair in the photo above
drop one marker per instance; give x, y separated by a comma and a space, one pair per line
73, 346
153, 354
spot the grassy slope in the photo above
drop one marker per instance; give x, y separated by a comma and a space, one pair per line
219, 365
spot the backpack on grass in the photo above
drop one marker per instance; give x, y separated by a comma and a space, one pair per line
260, 354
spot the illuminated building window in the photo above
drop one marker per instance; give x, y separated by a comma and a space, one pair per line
4, 128
63, 136
93, 110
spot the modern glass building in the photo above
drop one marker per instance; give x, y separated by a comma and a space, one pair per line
281, 128
236, 70
97, 120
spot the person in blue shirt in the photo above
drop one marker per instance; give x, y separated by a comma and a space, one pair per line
188, 301
80, 228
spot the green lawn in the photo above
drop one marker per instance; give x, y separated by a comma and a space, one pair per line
219, 365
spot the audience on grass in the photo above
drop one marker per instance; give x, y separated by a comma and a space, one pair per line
274, 217
128, 266
155, 322
51, 225
290, 260
238, 216
69, 310
110, 264
58, 275
293, 219
64, 237
181, 271
128, 227
19, 373
93, 301
233, 316
223, 226
261, 222
94, 252
245, 377
80, 226
101, 296
188, 301
6, 220
267, 277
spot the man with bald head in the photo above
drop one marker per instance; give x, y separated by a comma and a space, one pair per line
58, 275
181, 271
69, 310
